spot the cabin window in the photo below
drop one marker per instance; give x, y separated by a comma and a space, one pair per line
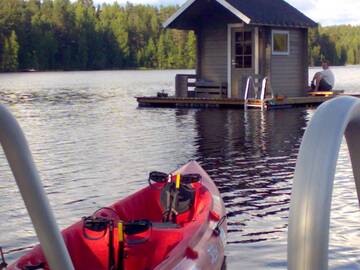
243, 49
280, 43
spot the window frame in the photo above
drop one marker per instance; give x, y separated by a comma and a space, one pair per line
273, 33
243, 43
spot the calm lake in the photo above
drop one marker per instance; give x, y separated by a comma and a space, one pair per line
93, 145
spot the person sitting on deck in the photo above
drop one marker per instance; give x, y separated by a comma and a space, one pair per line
323, 81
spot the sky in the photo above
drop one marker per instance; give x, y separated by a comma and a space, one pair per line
326, 12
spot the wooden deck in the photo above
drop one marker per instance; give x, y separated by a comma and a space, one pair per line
230, 102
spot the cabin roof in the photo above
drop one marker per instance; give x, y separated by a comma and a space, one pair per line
256, 12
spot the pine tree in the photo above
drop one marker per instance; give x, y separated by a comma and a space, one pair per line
161, 52
10, 53
150, 54
190, 50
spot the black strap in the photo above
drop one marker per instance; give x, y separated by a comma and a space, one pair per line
190, 178
171, 194
99, 224
121, 256
111, 246
217, 231
174, 202
157, 177
137, 226
94, 224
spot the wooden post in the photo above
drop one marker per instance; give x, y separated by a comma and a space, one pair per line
181, 85
305, 60
267, 41
198, 53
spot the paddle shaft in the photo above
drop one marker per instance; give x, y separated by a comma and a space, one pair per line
111, 246
121, 256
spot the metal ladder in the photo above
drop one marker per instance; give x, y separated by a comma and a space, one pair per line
28, 180
308, 233
253, 83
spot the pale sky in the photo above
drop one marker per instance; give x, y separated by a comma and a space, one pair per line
326, 12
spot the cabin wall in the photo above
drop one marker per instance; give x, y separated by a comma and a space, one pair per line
288, 71
213, 51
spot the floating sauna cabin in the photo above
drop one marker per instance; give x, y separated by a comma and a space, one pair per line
241, 38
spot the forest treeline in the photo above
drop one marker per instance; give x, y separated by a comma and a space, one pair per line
340, 45
77, 35
66, 35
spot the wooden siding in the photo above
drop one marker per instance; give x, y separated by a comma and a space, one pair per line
213, 51
287, 71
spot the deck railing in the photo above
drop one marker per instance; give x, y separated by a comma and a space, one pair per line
28, 180
309, 220
187, 85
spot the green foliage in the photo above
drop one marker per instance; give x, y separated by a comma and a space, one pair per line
338, 44
10, 53
72, 35
190, 52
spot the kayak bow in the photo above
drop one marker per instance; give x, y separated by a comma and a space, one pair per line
177, 222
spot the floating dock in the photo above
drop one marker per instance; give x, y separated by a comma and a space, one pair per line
195, 102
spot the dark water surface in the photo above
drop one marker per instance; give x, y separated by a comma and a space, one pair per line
93, 145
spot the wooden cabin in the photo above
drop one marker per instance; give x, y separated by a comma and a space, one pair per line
237, 39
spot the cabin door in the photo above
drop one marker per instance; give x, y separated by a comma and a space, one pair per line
242, 59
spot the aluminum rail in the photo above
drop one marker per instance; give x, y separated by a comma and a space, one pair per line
27, 178
308, 233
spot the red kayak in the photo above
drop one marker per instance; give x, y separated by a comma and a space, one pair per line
177, 222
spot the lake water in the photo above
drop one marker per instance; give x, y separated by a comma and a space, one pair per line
93, 145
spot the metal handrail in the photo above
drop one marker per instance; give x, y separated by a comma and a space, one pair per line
308, 234
263, 88
27, 178
251, 82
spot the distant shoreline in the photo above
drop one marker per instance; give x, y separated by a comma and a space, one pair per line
95, 70
131, 69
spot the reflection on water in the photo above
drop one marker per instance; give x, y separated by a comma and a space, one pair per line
93, 146
252, 156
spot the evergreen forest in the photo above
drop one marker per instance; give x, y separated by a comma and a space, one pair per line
67, 35
340, 45
77, 35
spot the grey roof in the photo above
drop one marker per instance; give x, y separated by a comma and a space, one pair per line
272, 12
257, 12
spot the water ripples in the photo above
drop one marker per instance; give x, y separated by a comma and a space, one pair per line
92, 146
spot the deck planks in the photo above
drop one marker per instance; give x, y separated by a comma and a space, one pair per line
230, 102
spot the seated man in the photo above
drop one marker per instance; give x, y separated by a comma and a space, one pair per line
324, 80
